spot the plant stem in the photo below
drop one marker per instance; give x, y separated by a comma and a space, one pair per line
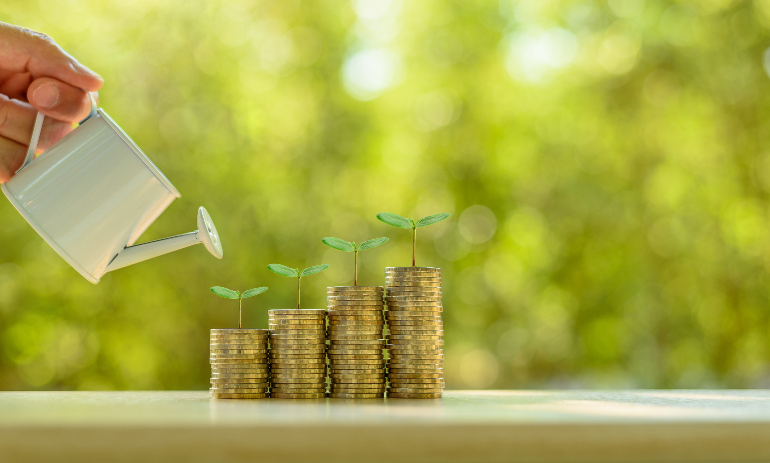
414, 244
240, 306
355, 280
298, 280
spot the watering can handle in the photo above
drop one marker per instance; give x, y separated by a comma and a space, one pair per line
39, 126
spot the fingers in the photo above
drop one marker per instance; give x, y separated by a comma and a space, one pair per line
12, 155
23, 50
59, 100
14, 85
17, 119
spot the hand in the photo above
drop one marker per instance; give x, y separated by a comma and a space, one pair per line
37, 75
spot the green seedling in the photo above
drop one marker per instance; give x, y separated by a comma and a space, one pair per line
402, 222
230, 294
346, 246
285, 271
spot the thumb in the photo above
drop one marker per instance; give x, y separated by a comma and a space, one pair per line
23, 50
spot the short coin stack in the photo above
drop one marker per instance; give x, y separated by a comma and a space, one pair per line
357, 366
239, 368
415, 348
298, 353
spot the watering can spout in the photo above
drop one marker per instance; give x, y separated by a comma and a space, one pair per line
206, 234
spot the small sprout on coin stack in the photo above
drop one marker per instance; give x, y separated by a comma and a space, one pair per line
345, 246
295, 273
402, 222
230, 294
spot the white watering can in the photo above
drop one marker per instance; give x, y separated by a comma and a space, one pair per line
93, 193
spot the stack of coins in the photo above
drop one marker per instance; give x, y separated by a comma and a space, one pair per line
298, 353
356, 363
239, 368
415, 348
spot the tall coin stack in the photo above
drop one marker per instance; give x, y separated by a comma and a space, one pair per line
298, 353
415, 347
356, 363
239, 368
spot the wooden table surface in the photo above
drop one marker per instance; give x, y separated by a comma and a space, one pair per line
464, 426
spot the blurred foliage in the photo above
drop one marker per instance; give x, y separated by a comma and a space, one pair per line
604, 162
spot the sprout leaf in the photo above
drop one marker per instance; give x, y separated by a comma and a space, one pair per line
372, 243
283, 270
431, 219
338, 244
395, 220
253, 292
314, 269
224, 292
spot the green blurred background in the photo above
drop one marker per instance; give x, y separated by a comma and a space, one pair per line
606, 165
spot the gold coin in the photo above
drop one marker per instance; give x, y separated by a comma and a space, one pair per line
337, 361
238, 390
411, 292
299, 321
417, 362
333, 373
416, 329
283, 395
354, 395
407, 352
235, 378
367, 299
236, 358
335, 338
419, 390
261, 387
238, 331
355, 328
237, 339
356, 382
403, 371
371, 364
356, 356
413, 325
390, 282
399, 345
302, 382
241, 367
215, 372
357, 388
314, 376
293, 373
412, 269
414, 337
244, 345
362, 303
397, 299
416, 388
294, 363
222, 352
430, 395
402, 376
354, 288
409, 305
309, 349
308, 369
369, 356
410, 382
264, 395
375, 315
344, 324
308, 312
299, 388
398, 332
305, 330
291, 342
352, 349
278, 356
